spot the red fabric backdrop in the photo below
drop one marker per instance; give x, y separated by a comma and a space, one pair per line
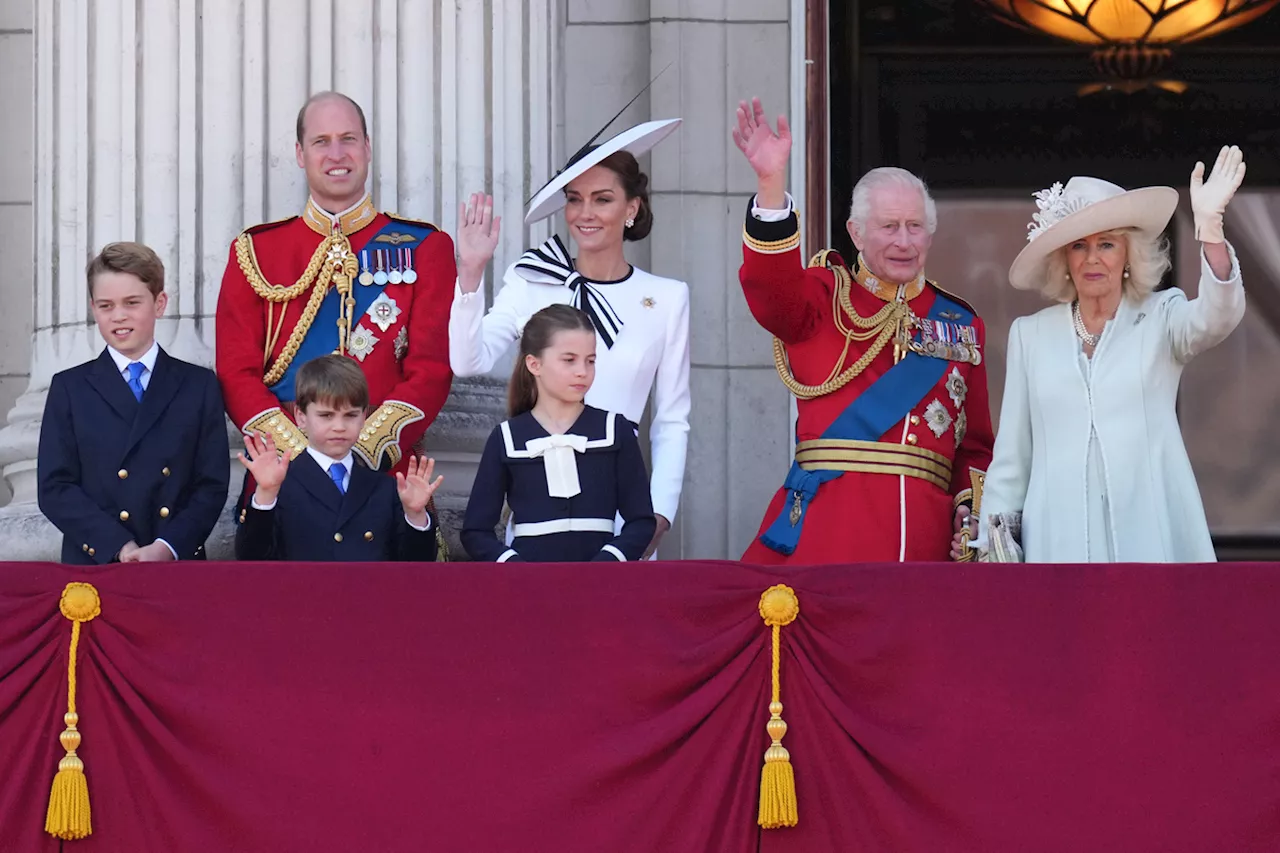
242, 707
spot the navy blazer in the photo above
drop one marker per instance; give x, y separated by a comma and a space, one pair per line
111, 469
313, 522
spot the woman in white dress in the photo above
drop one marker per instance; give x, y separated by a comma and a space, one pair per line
1089, 450
641, 320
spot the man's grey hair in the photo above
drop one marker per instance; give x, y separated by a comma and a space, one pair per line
860, 204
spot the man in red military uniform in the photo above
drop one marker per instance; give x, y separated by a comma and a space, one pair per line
894, 430
343, 278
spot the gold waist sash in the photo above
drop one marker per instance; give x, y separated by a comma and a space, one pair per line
874, 457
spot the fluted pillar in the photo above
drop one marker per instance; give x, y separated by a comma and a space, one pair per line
173, 124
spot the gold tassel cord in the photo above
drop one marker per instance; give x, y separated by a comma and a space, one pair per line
68, 816
778, 607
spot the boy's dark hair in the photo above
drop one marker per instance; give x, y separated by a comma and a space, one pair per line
333, 379
130, 258
522, 392
301, 124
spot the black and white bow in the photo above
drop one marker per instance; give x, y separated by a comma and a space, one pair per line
550, 264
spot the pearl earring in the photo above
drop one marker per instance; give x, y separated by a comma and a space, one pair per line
1126, 271
1067, 276
630, 222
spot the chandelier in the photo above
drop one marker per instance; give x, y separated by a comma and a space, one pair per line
1132, 39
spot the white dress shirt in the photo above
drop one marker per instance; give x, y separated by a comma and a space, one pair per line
649, 356
767, 214
148, 361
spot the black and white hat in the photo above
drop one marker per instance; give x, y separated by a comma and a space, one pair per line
637, 140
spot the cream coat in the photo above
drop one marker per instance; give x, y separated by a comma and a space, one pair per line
1039, 466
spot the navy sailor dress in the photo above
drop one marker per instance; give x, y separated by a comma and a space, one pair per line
565, 492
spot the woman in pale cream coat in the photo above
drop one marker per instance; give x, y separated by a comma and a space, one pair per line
1089, 449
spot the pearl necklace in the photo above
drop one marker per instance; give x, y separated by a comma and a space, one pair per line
1081, 332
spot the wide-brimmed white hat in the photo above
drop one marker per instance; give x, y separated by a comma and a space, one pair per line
637, 140
1086, 206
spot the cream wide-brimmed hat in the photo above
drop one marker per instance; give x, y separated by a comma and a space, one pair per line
637, 140
1086, 206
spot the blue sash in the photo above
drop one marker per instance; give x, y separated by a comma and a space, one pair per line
322, 337
871, 414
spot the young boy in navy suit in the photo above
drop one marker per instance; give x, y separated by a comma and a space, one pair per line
323, 507
133, 462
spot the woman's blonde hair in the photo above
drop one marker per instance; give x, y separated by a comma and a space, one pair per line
1148, 261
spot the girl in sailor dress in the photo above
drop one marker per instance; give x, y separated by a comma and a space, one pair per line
566, 469
641, 319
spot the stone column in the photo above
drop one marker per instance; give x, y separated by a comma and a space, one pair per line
159, 124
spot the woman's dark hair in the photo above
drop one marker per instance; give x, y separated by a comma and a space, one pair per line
522, 392
635, 184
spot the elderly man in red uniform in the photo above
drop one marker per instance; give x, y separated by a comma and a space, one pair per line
894, 431
342, 278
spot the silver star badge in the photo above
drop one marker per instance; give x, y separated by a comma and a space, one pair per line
361, 342
384, 311
937, 417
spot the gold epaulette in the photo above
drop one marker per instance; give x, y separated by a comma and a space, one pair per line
398, 218
381, 433
947, 293
267, 226
823, 259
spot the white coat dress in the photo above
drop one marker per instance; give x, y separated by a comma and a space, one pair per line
1131, 496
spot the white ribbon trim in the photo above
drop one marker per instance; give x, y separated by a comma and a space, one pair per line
563, 525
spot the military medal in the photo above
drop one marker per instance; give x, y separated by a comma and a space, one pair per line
379, 277
384, 311
393, 262
366, 277
409, 275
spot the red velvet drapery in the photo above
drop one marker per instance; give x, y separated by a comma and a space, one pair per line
467, 707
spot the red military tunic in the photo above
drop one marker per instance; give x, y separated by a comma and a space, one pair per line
883, 513
401, 342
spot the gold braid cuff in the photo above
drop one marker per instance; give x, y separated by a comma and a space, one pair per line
381, 433
284, 432
772, 247
977, 480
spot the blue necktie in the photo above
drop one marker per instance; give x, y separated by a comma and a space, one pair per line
336, 472
135, 379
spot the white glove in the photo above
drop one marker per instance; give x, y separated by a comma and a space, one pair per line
1209, 198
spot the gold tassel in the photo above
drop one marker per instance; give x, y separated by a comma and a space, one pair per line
778, 606
68, 816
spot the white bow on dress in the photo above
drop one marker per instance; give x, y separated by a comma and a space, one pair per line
557, 452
